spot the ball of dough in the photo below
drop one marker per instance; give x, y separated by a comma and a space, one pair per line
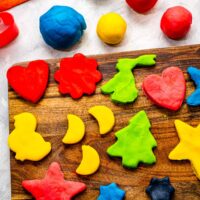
62, 27
141, 6
176, 22
111, 28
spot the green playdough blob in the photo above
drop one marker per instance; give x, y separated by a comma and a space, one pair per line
135, 142
122, 86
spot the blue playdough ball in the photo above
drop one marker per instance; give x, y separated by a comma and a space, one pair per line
62, 27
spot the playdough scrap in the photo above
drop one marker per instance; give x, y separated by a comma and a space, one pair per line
77, 76
189, 145
111, 28
25, 142
194, 98
104, 116
7, 4
76, 130
160, 189
90, 161
8, 29
29, 82
167, 90
122, 86
111, 192
53, 186
135, 142
62, 27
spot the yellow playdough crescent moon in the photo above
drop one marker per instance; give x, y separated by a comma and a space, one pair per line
90, 161
76, 130
104, 116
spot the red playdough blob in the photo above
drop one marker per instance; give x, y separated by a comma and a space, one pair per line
176, 22
168, 90
77, 76
53, 186
141, 6
29, 82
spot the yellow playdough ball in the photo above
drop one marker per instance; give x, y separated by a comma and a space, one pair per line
111, 28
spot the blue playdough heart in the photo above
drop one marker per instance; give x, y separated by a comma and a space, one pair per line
62, 27
194, 98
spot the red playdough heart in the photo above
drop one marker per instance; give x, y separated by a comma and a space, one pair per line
29, 82
167, 90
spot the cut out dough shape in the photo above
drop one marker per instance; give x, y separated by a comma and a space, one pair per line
167, 90
25, 142
194, 98
78, 75
104, 116
189, 145
160, 189
76, 130
90, 161
122, 87
135, 142
111, 192
29, 82
53, 186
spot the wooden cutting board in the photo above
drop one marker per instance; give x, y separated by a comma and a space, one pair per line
52, 110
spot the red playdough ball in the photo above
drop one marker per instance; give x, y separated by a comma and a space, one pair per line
176, 22
141, 6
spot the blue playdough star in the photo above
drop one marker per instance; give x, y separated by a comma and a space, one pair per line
111, 192
194, 98
160, 189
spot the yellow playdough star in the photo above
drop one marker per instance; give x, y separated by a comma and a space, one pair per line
189, 146
25, 142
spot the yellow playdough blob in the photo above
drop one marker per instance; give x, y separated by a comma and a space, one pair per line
25, 142
76, 130
90, 161
189, 145
111, 28
104, 116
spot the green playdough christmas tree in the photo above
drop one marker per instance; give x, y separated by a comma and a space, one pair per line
135, 142
122, 86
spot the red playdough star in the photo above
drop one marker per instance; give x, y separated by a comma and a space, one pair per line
77, 76
53, 186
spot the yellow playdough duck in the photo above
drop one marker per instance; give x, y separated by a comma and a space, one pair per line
25, 142
111, 28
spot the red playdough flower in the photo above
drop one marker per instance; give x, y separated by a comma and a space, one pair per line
77, 76
53, 186
167, 90
141, 6
176, 22
29, 82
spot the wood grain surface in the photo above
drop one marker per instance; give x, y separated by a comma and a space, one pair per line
52, 110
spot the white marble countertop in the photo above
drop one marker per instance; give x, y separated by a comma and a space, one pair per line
143, 32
